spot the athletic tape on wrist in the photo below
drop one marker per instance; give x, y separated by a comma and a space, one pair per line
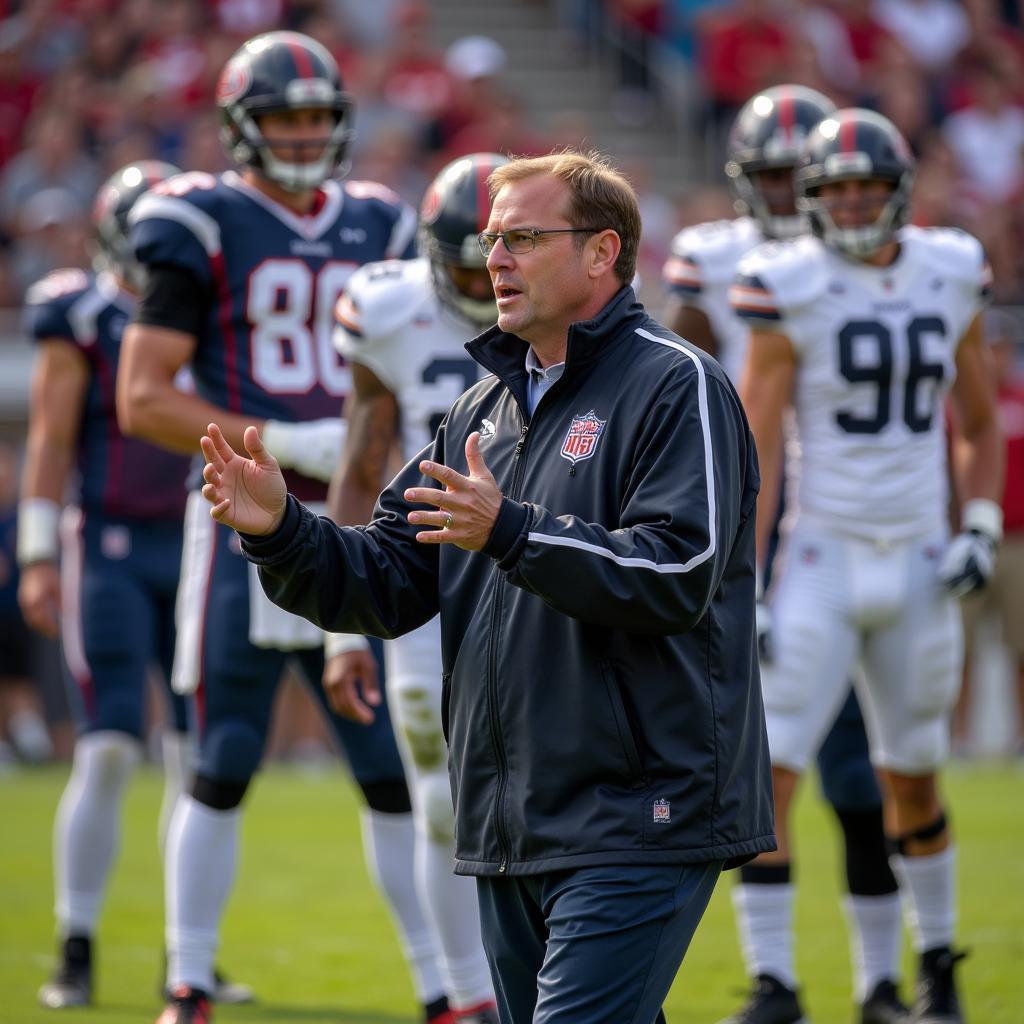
985, 516
342, 643
38, 530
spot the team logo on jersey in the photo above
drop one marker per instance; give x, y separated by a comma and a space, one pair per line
581, 441
487, 428
662, 812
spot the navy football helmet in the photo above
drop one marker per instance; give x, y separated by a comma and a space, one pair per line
856, 144
455, 209
111, 248
275, 72
769, 134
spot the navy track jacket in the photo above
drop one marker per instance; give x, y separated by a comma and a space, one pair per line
601, 698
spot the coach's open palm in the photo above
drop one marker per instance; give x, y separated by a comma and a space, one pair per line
248, 495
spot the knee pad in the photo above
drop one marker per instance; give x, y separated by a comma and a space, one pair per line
898, 844
390, 797
218, 794
434, 807
416, 715
867, 853
231, 748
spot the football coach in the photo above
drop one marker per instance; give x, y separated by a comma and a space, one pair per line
584, 524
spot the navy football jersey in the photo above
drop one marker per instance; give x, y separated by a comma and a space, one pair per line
273, 278
118, 476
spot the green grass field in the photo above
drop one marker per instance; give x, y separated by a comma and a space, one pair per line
306, 927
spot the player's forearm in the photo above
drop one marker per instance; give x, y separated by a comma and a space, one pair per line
980, 463
173, 419
350, 501
48, 462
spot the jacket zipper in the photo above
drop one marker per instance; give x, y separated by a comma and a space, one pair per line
492, 671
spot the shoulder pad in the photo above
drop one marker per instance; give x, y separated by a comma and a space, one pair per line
381, 298
64, 284
708, 253
777, 277
48, 304
381, 202
951, 252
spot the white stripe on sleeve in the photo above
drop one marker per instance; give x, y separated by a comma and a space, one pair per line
709, 476
201, 224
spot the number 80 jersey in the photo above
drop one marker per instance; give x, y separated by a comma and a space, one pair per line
876, 355
273, 278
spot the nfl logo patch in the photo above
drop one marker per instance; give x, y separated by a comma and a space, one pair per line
662, 811
584, 432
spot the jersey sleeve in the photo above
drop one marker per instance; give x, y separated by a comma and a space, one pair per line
48, 303
379, 300
175, 224
775, 281
700, 258
960, 258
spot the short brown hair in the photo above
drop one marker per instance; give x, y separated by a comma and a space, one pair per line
599, 196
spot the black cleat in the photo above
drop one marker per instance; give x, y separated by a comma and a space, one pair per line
71, 984
485, 1013
770, 1002
937, 1001
186, 1006
884, 1006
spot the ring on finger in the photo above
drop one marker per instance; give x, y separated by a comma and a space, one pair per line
448, 520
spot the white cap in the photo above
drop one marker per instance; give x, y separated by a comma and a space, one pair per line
475, 57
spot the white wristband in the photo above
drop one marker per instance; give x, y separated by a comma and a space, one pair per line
277, 439
342, 643
38, 531
985, 516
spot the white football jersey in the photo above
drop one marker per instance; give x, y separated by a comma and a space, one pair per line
876, 350
391, 321
700, 269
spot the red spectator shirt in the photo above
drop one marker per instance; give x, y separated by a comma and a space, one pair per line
1011, 417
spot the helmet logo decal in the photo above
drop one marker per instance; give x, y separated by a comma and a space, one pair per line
430, 208
234, 82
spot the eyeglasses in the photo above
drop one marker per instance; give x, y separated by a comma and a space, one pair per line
520, 240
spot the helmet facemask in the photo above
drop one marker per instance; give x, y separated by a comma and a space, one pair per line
247, 144
750, 199
863, 240
443, 258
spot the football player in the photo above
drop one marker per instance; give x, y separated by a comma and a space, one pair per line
243, 272
402, 329
111, 598
863, 327
765, 145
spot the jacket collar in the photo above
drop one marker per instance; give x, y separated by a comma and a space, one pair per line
505, 354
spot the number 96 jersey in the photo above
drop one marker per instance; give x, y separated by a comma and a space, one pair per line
876, 354
391, 321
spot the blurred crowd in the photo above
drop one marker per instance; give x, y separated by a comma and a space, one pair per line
948, 73
87, 86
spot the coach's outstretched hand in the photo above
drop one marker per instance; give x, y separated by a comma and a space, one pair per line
248, 495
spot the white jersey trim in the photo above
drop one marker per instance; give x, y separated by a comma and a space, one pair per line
709, 474
201, 224
403, 232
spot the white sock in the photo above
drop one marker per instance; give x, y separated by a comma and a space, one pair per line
875, 938
202, 856
87, 829
451, 906
765, 917
389, 843
928, 885
179, 764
